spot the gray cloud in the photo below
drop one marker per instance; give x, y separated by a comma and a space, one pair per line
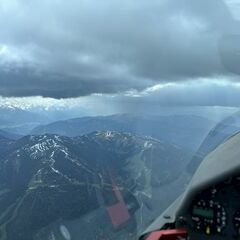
69, 49
215, 95
218, 98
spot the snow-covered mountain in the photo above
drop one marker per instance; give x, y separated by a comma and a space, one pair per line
50, 178
183, 130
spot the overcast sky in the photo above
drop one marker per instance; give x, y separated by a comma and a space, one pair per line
166, 52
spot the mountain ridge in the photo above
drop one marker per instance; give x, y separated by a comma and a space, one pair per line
185, 131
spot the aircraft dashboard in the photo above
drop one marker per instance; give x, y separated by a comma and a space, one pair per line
214, 213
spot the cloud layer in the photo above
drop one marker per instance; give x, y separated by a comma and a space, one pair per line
64, 49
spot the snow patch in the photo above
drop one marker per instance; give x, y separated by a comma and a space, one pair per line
147, 144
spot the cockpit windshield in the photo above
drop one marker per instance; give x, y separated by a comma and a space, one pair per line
107, 110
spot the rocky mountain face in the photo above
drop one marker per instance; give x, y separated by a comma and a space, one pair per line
185, 131
48, 178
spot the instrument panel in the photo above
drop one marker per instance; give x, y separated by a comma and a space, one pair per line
215, 212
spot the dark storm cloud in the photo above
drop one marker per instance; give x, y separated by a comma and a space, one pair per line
27, 82
68, 49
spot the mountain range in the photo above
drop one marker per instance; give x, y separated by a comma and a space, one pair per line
18, 121
50, 178
186, 131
